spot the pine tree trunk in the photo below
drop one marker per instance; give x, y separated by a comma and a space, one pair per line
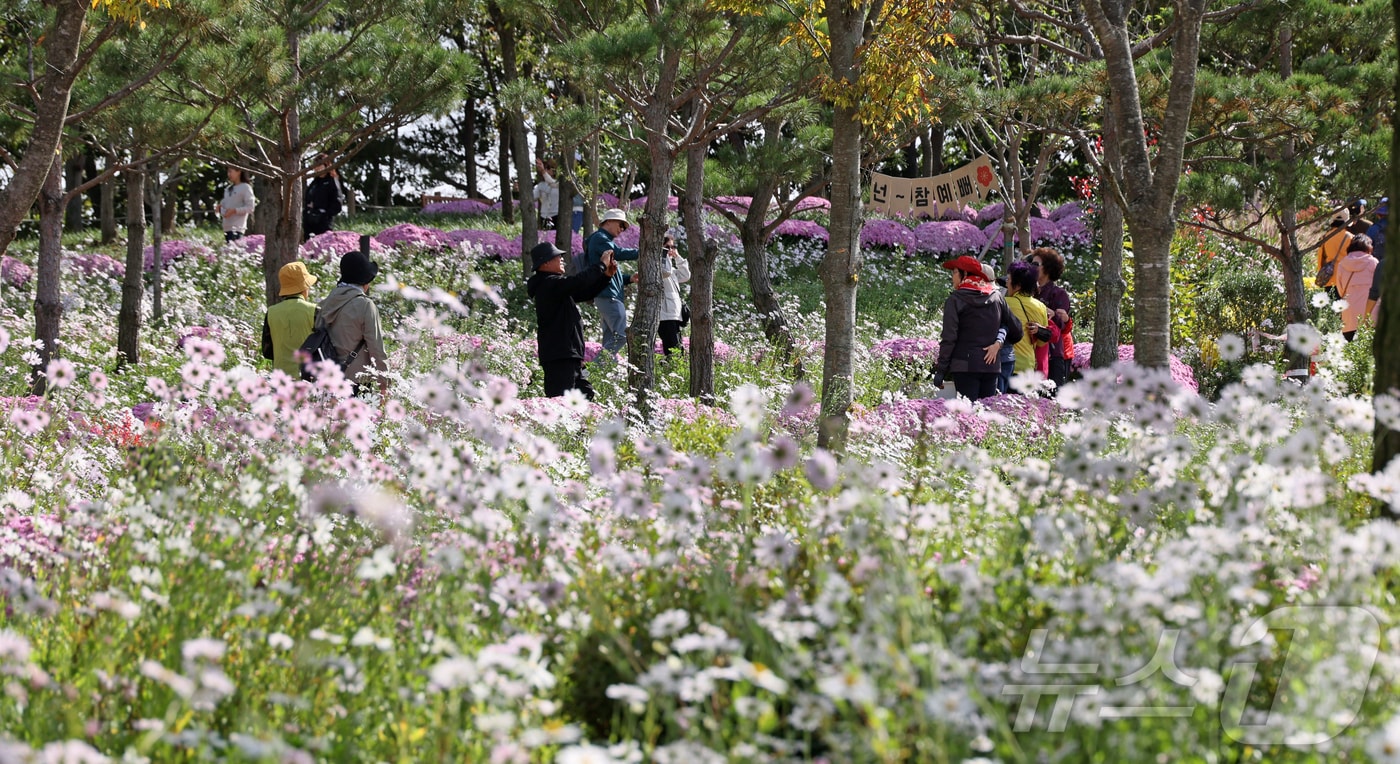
157, 192
466, 137
840, 267
48, 299
73, 210
1110, 287
503, 159
765, 299
701, 256
641, 351
107, 210
1387, 346
61, 44
133, 286
283, 244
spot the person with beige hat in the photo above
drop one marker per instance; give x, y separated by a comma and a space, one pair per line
288, 323
611, 308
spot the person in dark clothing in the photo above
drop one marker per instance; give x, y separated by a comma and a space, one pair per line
1056, 300
1377, 229
323, 199
559, 331
973, 331
1359, 224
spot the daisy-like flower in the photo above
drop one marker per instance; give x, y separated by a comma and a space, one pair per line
1384, 744
29, 422
61, 373
1320, 299
821, 470
96, 379
1304, 339
669, 623
1231, 347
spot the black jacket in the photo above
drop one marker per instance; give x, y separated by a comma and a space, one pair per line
323, 197
970, 323
559, 333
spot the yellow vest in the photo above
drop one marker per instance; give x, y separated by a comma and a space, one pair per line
289, 322
1029, 310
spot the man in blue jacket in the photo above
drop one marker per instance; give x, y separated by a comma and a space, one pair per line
611, 309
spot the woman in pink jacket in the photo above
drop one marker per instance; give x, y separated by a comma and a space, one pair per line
1354, 274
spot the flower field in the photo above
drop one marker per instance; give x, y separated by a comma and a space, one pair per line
202, 560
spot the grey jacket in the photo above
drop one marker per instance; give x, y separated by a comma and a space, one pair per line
353, 318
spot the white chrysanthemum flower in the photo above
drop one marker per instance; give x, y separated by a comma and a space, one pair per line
669, 623
1304, 339
1231, 347
1320, 299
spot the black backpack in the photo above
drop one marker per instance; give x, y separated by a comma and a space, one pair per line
317, 348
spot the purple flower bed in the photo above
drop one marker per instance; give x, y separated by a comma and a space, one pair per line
886, 234
96, 264
965, 213
906, 349
14, 272
329, 246
736, 204
802, 229
252, 243
993, 213
491, 243
457, 207
609, 201
813, 203
1044, 233
931, 417
949, 238
410, 235
1066, 210
690, 412
672, 203
1181, 373
176, 249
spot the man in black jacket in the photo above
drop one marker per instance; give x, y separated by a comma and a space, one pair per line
559, 333
323, 199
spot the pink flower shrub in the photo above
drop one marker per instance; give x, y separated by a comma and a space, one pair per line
14, 272
457, 207
96, 264
930, 417
410, 235
887, 234
1044, 233
609, 201
1066, 211
672, 203
949, 238
964, 213
329, 246
813, 203
252, 243
993, 213
736, 204
491, 243
690, 411
176, 249
906, 349
802, 229
1180, 371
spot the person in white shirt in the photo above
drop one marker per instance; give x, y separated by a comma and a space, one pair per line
674, 272
237, 204
547, 193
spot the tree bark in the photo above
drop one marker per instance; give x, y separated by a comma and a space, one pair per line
753, 236
641, 351
564, 220
133, 288
519, 140
700, 253
466, 136
107, 210
61, 44
157, 192
503, 162
73, 209
1149, 182
283, 243
840, 267
1110, 287
1387, 345
48, 300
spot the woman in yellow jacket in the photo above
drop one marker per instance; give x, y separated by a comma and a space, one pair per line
1020, 287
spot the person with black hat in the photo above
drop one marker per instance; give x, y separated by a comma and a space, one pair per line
1359, 223
353, 321
324, 198
559, 327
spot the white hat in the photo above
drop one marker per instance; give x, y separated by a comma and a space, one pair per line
615, 214
1341, 218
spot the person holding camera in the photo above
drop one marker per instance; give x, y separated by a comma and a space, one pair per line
674, 313
558, 325
611, 308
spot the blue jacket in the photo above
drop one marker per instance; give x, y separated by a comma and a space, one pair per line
601, 241
1377, 234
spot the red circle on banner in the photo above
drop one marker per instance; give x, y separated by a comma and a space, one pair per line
984, 175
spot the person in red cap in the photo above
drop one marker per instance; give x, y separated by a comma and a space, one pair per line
975, 319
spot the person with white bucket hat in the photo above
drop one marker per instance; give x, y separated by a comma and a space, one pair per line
611, 309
